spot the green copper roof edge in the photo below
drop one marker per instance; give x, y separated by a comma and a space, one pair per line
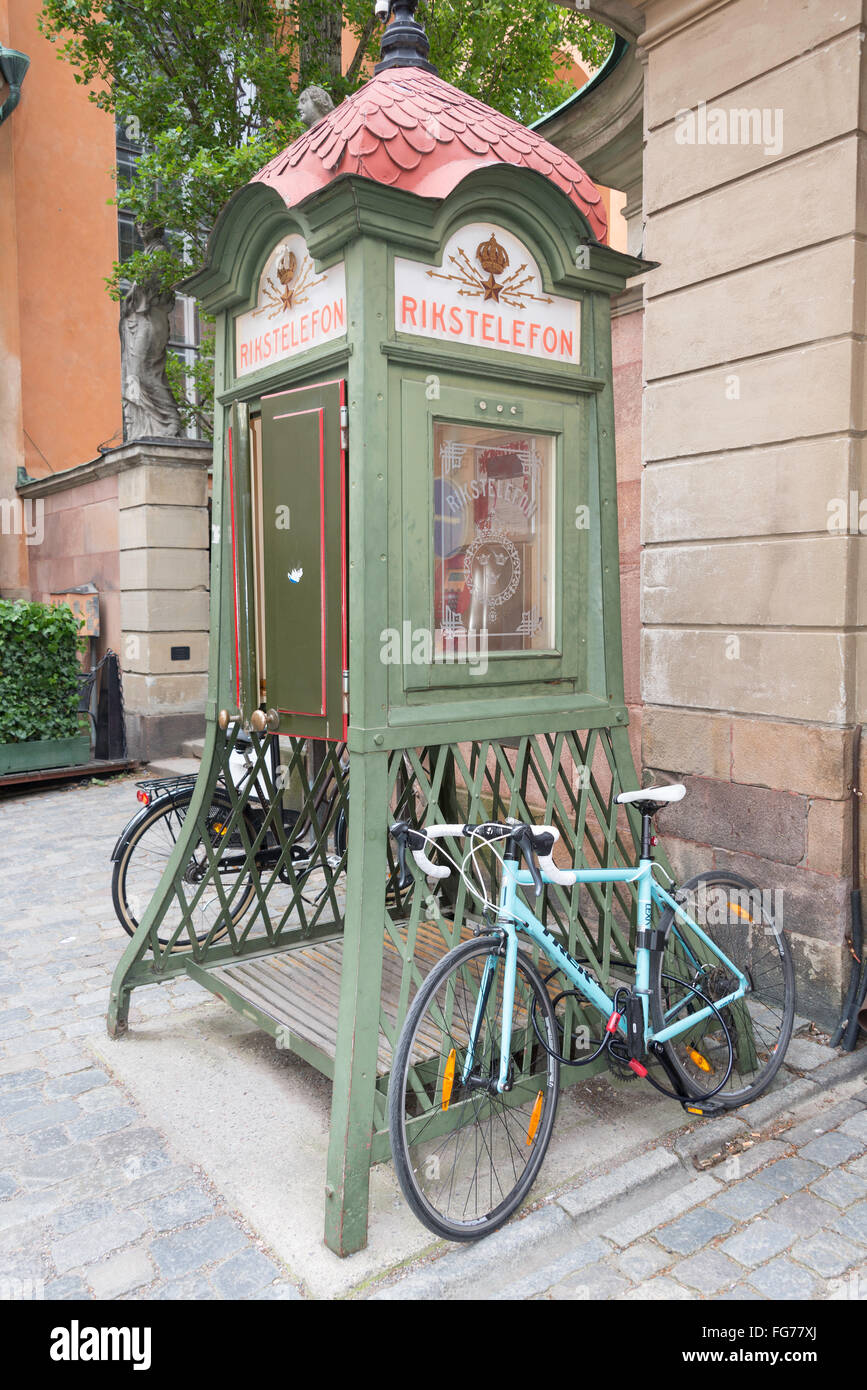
618, 50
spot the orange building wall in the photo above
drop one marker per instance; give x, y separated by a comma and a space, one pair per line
62, 153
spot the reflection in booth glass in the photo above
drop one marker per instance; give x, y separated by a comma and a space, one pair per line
493, 538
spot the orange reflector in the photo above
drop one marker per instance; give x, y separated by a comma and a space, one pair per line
700, 1061
534, 1119
694, 1110
739, 912
218, 828
448, 1079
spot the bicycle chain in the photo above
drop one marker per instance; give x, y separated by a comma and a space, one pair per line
619, 1066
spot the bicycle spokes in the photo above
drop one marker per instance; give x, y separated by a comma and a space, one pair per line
755, 1027
468, 1146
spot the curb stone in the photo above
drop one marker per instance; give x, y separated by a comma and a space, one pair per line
703, 1142
775, 1104
459, 1265
666, 1208
628, 1176
846, 1065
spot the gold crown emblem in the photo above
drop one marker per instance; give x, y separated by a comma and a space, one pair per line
286, 268
492, 256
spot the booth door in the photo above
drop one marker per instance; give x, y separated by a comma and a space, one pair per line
303, 551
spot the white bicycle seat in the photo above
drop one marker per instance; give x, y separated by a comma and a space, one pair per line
675, 792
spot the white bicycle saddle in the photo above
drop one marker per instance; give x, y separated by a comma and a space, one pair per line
675, 792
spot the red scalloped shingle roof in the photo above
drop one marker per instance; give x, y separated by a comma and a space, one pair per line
408, 128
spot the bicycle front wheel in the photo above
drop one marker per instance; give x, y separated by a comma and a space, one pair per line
736, 915
465, 1154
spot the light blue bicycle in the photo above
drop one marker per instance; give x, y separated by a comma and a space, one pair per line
475, 1078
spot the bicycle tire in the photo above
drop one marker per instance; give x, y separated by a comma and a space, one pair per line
161, 811
760, 1024
416, 1163
341, 830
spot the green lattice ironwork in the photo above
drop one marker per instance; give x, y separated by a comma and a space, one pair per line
568, 780
266, 871
269, 870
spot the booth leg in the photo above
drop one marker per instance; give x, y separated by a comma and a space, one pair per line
352, 1106
129, 971
117, 1020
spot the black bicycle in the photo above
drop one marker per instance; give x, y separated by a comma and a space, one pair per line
148, 840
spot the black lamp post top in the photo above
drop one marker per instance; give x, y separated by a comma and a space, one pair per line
404, 43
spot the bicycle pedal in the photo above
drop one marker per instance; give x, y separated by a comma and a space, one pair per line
704, 1107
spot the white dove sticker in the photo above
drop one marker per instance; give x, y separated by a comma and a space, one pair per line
295, 576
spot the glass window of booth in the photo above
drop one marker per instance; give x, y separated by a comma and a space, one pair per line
493, 549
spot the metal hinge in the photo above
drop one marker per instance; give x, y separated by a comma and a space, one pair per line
346, 693
344, 428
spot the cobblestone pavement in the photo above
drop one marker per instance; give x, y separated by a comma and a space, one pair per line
92, 1203
769, 1203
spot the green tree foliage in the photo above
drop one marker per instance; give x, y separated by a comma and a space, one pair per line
39, 671
209, 88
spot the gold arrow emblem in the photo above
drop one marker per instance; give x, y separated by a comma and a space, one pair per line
494, 260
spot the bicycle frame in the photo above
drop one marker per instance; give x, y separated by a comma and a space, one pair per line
514, 917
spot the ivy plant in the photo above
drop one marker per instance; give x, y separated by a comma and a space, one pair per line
39, 671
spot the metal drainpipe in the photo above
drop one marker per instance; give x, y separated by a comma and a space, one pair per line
847, 1029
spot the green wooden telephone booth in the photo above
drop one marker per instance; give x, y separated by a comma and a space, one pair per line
415, 586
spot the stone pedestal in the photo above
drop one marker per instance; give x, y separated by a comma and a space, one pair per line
164, 555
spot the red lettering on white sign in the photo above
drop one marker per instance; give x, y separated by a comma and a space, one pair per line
514, 309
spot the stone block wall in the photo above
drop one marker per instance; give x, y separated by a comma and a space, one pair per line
164, 562
754, 412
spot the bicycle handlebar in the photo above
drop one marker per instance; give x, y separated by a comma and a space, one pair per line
535, 841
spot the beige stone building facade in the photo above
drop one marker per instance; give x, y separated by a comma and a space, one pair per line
737, 129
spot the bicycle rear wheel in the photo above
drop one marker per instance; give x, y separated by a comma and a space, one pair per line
465, 1155
139, 868
735, 915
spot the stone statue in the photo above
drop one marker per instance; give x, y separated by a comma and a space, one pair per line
149, 409
313, 104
